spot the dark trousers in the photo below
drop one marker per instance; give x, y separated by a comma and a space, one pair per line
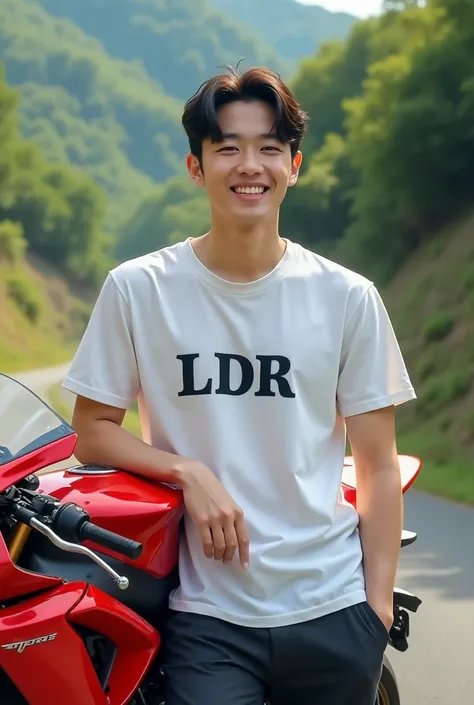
332, 660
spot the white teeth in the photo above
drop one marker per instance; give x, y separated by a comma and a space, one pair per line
250, 190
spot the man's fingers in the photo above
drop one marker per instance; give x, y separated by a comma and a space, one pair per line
223, 536
231, 542
218, 539
207, 542
243, 541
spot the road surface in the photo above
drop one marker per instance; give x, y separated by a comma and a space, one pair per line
40, 382
439, 567
437, 668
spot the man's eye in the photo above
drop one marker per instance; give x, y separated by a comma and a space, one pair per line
227, 149
272, 148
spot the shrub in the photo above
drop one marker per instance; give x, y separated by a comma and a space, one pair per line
438, 326
426, 368
12, 242
443, 390
21, 290
468, 279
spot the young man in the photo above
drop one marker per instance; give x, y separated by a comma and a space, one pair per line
251, 357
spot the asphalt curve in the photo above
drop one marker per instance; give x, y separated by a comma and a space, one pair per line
439, 568
40, 382
437, 669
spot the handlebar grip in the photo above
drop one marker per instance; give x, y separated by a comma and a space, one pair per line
91, 532
22, 513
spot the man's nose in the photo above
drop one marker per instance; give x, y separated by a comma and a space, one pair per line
250, 163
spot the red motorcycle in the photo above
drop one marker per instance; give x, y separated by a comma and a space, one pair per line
88, 556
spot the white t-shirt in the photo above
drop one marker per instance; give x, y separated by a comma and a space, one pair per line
254, 380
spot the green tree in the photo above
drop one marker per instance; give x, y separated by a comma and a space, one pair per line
323, 82
410, 139
12, 242
316, 211
399, 5
172, 212
58, 209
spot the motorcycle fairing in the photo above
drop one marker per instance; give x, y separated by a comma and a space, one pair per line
42, 632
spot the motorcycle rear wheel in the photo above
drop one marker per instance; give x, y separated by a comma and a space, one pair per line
388, 693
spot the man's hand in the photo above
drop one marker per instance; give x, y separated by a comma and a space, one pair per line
384, 612
219, 519
102, 440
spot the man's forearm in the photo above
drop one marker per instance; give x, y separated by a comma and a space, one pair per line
380, 507
106, 443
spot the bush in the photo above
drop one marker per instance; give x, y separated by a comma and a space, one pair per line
12, 242
468, 279
438, 326
426, 368
23, 293
443, 390
79, 316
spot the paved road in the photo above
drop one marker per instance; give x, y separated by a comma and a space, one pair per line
40, 381
439, 567
437, 669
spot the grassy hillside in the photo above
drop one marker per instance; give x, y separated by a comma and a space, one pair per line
41, 319
431, 302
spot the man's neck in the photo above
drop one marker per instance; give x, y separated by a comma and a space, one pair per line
240, 254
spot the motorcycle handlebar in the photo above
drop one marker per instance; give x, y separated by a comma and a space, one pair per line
72, 524
90, 532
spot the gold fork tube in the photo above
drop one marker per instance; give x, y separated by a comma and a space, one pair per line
18, 541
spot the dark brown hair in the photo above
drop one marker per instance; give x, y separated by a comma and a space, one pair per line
200, 112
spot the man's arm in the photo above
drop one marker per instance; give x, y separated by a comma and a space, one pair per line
379, 503
103, 441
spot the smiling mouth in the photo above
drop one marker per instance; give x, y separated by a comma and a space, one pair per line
249, 190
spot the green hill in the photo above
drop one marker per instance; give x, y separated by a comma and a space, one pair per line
179, 42
87, 108
292, 29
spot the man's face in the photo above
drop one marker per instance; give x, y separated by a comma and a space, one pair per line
248, 173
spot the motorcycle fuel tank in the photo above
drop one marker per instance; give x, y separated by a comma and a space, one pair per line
145, 511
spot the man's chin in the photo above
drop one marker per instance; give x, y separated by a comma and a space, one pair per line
253, 214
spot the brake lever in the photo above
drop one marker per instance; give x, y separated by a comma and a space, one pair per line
121, 581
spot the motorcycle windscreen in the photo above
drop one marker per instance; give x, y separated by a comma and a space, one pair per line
27, 425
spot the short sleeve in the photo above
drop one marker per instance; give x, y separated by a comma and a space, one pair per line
372, 372
104, 367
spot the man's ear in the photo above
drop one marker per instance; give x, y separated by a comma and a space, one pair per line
295, 168
195, 170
